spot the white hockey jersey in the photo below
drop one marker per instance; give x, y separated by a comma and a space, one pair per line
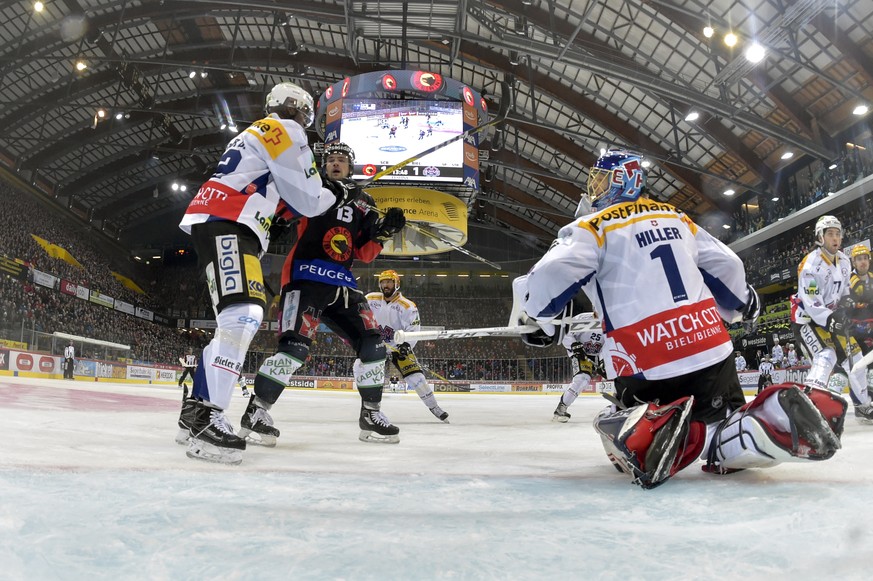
821, 283
396, 314
269, 161
661, 285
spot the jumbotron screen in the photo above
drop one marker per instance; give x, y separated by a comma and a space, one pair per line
384, 132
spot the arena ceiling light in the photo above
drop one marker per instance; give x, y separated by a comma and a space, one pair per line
774, 199
81, 66
787, 155
728, 192
730, 39
38, 6
832, 166
708, 31
860, 110
726, 226
692, 116
755, 53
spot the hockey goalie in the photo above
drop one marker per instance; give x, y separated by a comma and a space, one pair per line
663, 288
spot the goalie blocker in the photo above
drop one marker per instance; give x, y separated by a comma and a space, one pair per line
784, 423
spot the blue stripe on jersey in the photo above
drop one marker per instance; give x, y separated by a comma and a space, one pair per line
557, 304
607, 324
261, 184
722, 294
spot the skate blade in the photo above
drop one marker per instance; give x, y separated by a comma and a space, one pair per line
562, 419
259, 439
183, 436
373, 437
209, 453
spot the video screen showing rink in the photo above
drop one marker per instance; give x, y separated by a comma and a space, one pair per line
385, 132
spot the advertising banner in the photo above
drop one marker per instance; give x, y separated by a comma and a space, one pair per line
123, 307
45, 279
138, 372
102, 299
491, 387
453, 387
33, 362
4, 359
144, 314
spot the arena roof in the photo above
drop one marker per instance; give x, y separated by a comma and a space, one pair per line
585, 74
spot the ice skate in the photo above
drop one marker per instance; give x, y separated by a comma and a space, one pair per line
864, 413
256, 425
440, 414
561, 414
212, 438
245, 392
375, 427
186, 417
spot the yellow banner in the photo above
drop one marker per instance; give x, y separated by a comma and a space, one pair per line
13, 344
441, 215
127, 283
56, 251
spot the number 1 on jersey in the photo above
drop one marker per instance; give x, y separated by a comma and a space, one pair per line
671, 270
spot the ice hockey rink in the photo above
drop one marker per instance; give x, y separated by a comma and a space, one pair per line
94, 487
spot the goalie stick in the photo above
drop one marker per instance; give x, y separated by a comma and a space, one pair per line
585, 322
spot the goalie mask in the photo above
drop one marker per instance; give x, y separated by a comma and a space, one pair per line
617, 176
339, 149
288, 100
389, 275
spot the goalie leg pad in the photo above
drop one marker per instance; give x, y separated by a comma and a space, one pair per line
782, 424
650, 442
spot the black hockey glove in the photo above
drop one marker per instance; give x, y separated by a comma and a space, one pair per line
391, 224
403, 350
837, 322
345, 191
539, 338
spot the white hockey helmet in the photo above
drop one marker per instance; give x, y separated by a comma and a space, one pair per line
289, 99
823, 224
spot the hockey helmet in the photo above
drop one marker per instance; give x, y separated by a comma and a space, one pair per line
823, 224
390, 275
289, 99
338, 148
860, 250
617, 176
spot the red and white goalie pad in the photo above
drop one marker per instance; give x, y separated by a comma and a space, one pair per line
651, 442
784, 423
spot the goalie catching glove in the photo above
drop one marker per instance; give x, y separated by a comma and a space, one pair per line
391, 224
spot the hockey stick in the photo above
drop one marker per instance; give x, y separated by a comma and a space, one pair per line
502, 112
586, 322
421, 229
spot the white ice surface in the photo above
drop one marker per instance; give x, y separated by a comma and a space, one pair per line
92, 486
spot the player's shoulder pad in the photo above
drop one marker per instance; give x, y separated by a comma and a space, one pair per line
408, 304
374, 296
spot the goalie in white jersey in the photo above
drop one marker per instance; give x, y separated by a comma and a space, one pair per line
394, 312
662, 287
266, 170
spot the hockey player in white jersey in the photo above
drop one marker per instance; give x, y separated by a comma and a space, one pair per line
267, 169
662, 287
394, 312
583, 349
820, 319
